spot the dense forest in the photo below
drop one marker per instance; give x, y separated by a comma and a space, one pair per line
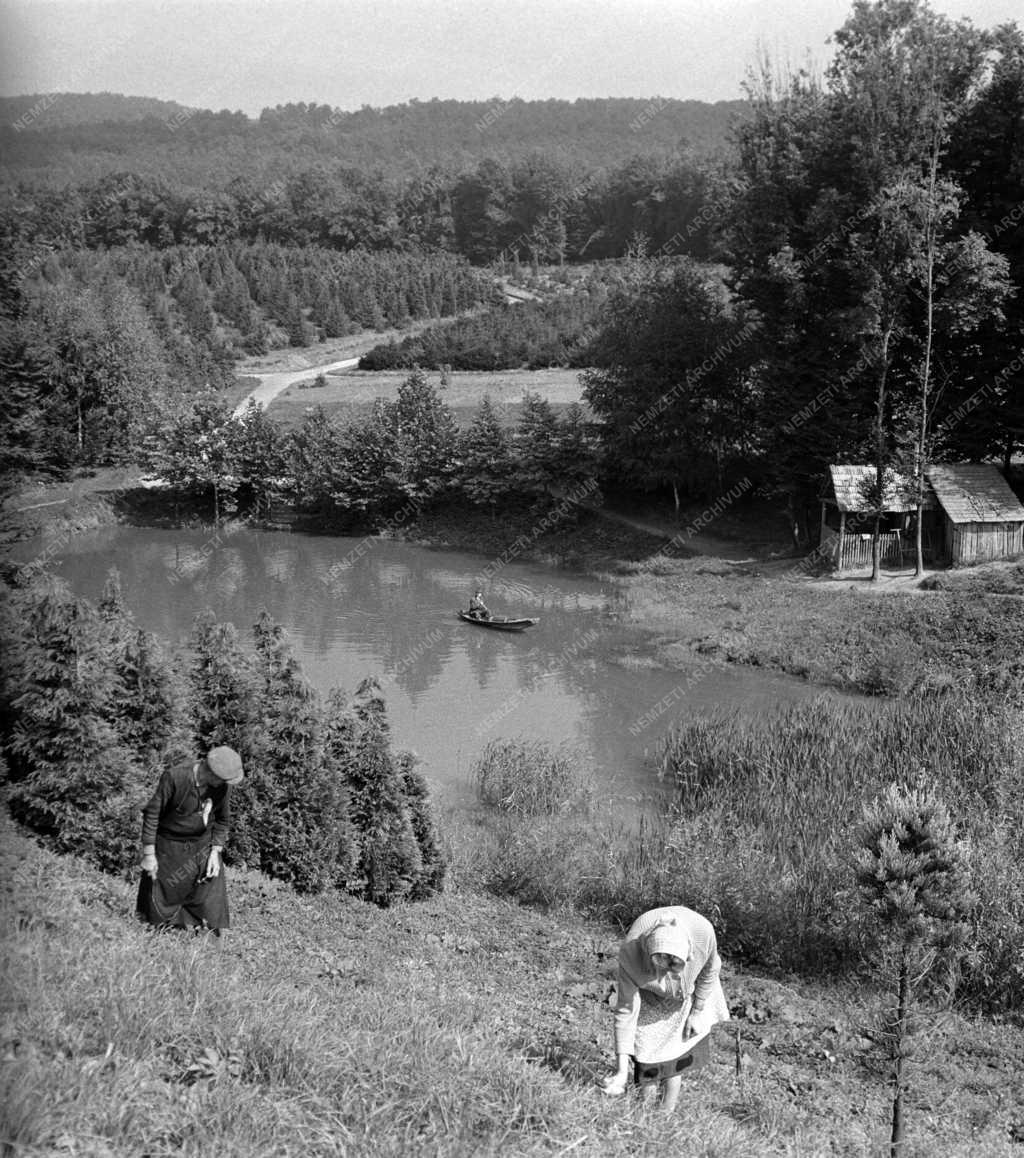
840, 277
60, 137
540, 207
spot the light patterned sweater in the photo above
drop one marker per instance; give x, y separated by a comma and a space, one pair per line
698, 980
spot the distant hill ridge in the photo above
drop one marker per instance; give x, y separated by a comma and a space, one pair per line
80, 136
57, 110
60, 110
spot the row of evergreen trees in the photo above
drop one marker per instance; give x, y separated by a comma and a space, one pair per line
92, 342
531, 335
405, 455
95, 707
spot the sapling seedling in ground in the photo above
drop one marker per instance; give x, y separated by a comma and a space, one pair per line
913, 879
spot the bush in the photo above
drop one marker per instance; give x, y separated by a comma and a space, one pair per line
527, 777
73, 778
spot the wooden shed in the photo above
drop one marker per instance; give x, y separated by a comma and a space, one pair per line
983, 519
847, 520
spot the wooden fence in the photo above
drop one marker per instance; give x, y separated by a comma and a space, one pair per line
856, 550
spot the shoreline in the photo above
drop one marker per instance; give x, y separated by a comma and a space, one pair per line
761, 612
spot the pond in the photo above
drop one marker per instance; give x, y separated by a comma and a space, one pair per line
359, 607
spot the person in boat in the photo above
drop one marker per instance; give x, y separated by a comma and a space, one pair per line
477, 608
185, 826
668, 998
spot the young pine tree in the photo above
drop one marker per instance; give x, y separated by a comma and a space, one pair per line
913, 879
150, 703
340, 736
537, 446
432, 873
295, 843
390, 862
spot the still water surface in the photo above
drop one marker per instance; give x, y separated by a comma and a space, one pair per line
359, 607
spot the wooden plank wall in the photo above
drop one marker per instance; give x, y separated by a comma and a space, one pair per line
985, 542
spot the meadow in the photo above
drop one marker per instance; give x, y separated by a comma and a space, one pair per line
349, 394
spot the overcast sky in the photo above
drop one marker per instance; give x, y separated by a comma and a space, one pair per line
246, 54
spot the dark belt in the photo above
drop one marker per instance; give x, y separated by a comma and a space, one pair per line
180, 838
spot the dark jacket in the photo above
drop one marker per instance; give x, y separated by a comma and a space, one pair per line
175, 809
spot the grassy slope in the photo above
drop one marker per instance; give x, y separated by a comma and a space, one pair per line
998, 578
456, 1027
881, 645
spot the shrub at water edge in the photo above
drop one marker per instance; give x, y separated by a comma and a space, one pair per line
528, 777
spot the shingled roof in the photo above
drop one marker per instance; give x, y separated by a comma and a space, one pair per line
973, 492
851, 483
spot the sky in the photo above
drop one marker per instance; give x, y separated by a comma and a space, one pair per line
248, 54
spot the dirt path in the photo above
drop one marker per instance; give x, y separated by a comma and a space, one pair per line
275, 378
273, 384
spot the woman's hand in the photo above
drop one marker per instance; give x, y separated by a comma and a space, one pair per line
697, 1023
149, 865
614, 1085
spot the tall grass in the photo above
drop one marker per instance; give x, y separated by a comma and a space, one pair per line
762, 824
528, 777
766, 811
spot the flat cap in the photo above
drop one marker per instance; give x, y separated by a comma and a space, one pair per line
225, 764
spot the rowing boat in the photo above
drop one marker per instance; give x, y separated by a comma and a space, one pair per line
497, 623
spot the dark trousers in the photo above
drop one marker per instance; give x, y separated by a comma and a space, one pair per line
180, 896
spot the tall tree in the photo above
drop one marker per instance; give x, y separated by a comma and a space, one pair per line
194, 450
403, 455
537, 449
985, 155
485, 460
823, 235
671, 382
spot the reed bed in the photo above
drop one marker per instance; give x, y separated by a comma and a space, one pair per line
761, 826
528, 777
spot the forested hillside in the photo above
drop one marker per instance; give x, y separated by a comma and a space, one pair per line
101, 341
84, 136
843, 283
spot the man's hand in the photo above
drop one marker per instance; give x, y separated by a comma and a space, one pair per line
213, 863
149, 865
698, 1022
